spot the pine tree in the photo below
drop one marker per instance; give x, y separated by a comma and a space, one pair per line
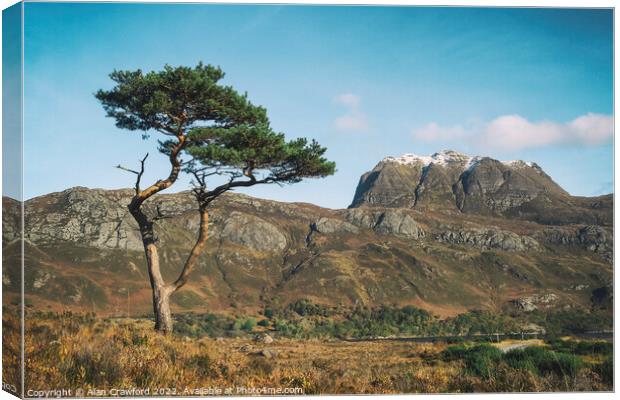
220, 132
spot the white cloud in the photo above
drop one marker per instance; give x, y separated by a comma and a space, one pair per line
514, 132
351, 122
348, 100
593, 128
354, 119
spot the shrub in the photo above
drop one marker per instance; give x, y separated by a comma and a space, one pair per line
544, 362
606, 370
582, 347
202, 364
453, 353
248, 324
94, 365
480, 360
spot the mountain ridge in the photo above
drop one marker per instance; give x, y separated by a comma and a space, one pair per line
83, 252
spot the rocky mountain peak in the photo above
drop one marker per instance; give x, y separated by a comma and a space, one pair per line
448, 158
450, 180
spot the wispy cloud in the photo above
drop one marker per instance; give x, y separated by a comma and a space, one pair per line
348, 100
514, 132
354, 119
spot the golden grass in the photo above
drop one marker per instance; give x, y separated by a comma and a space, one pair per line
66, 353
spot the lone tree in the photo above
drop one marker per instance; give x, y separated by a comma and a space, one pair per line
225, 138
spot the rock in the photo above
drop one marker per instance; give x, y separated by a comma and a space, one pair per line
531, 303
579, 287
41, 279
389, 184
97, 218
492, 186
590, 237
269, 354
332, 225
485, 239
395, 222
253, 232
398, 223
246, 348
595, 238
264, 338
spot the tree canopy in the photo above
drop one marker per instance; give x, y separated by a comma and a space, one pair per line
175, 99
220, 130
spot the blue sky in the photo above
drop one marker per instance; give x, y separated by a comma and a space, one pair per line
366, 82
11, 110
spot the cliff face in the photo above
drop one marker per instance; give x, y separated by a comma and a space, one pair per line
476, 185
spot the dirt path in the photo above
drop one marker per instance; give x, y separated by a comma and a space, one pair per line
521, 344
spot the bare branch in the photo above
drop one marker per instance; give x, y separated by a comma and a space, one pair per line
138, 173
160, 215
127, 169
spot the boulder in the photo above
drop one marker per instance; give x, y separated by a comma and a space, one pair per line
263, 338
332, 225
268, 353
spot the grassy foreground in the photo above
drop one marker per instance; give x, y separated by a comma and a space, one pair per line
69, 351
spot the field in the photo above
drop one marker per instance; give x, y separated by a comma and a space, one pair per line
101, 357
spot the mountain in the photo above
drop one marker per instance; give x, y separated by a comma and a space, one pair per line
446, 233
450, 180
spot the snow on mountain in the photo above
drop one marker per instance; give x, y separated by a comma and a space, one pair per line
449, 157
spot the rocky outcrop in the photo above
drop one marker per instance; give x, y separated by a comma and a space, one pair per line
391, 222
94, 218
531, 303
488, 239
100, 219
253, 232
11, 219
595, 238
389, 184
491, 186
590, 237
333, 225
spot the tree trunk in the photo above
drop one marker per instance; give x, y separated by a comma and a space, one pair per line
161, 304
161, 291
199, 245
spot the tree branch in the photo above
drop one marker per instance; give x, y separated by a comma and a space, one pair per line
160, 185
138, 173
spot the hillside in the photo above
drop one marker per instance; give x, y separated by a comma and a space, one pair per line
503, 237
